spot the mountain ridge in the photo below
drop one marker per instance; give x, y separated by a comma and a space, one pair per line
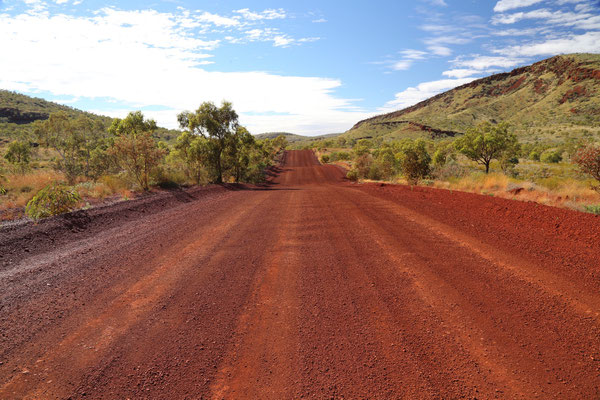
560, 90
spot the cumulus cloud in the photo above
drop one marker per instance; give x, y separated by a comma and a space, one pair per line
481, 63
422, 91
461, 73
588, 42
148, 58
505, 5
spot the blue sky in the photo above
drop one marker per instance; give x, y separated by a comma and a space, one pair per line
307, 67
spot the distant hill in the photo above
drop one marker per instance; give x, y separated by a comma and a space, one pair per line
294, 138
18, 111
548, 100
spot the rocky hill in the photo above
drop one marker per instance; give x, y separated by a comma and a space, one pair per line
550, 99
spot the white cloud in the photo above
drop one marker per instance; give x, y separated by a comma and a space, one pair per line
485, 62
217, 20
588, 42
273, 35
408, 57
505, 5
461, 73
423, 91
148, 58
266, 14
319, 21
439, 3
440, 50
580, 19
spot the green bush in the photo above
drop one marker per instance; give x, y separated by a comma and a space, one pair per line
324, 159
52, 200
352, 175
534, 155
551, 157
415, 160
594, 209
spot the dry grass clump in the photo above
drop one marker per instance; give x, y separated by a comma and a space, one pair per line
21, 188
554, 191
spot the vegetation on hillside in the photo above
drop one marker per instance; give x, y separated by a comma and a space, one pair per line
546, 102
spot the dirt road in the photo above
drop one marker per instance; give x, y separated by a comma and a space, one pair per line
312, 287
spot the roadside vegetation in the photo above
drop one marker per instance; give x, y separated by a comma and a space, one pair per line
488, 159
67, 162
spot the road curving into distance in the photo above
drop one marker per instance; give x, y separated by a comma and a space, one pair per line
309, 287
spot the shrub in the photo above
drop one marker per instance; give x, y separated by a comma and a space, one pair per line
54, 199
342, 156
551, 157
324, 159
19, 155
414, 160
588, 159
594, 209
534, 155
352, 175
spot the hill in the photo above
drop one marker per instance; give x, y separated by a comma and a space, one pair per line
19, 111
293, 138
549, 100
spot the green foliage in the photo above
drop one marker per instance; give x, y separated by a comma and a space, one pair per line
52, 200
362, 147
439, 157
325, 159
340, 156
193, 150
487, 142
352, 174
414, 160
134, 148
79, 143
2, 179
19, 155
534, 155
551, 157
217, 125
594, 209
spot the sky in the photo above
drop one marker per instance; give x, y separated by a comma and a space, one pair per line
308, 67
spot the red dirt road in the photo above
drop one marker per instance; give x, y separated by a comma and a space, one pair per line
312, 287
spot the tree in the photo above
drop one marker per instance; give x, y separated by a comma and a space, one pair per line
362, 147
239, 150
134, 148
588, 159
193, 150
75, 141
414, 160
217, 125
19, 155
487, 142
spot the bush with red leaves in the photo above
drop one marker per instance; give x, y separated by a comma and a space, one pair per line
588, 159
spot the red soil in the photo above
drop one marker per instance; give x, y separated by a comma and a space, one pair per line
309, 287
